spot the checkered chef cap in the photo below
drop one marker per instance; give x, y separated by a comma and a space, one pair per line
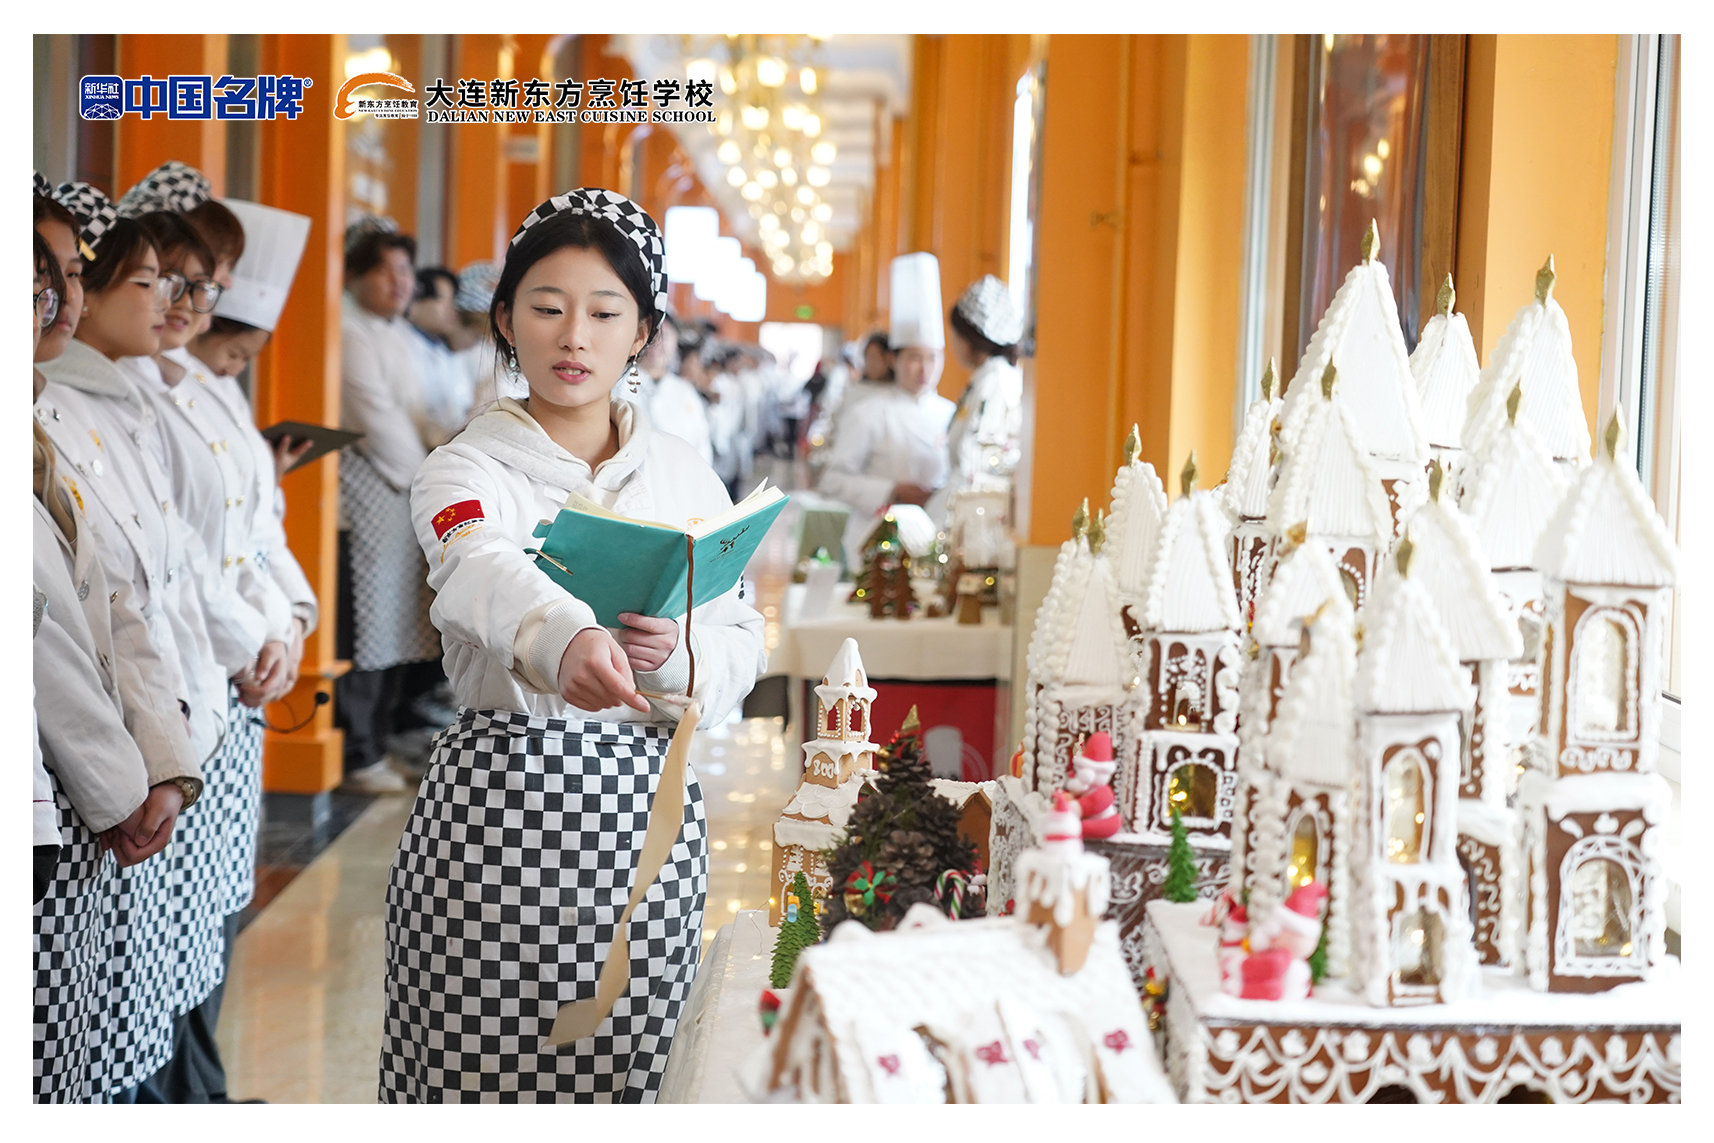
368, 224
93, 210
476, 284
987, 305
43, 188
632, 220
173, 186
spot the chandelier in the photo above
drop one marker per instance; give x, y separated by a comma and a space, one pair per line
769, 125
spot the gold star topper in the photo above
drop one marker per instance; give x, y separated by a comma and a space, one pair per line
1436, 477
1098, 532
1610, 438
1080, 520
1514, 401
1371, 242
1298, 533
1328, 377
1406, 551
1269, 380
1187, 475
1544, 279
1444, 299
1133, 445
911, 724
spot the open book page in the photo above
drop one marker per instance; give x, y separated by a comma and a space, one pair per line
757, 500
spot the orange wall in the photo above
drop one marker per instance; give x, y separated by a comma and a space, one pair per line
478, 205
142, 145
1538, 146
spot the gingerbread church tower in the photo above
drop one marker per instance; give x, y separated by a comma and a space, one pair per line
836, 764
1249, 479
1191, 628
1534, 352
1412, 926
1593, 807
1446, 371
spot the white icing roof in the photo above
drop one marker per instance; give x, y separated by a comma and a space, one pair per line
1449, 564
1446, 371
1133, 526
1361, 335
1607, 531
1326, 477
1313, 738
1245, 493
1493, 825
830, 803
1590, 793
1304, 580
1094, 653
1044, 635
967, 981
1536, 350
1510, 493
1407, 665
846, 671
1189, 585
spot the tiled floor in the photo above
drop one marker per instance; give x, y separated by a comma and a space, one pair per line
302, 1015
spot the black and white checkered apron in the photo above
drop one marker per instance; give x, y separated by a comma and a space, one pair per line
70, 944
502, 903
200, 864
135, 1037
390, 596
241, 804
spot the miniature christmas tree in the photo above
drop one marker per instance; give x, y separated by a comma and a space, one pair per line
902, 836
1180, 864
798, 930
1318, 959
882, 542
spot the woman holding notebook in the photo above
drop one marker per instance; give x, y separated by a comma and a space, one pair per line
552, 818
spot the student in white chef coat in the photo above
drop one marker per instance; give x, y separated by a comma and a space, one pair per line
90, 756
984, 440
519, 855
383, 616
675, 406
97, 422
890, 446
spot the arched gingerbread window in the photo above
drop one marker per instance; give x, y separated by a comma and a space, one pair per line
1185, 685
1599, 903
859, 720
1305, 864
1193, 791
1603, 675
1418, 940
825, 719
1405, 794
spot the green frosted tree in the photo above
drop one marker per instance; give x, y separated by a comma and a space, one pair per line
796, 934
1180, 864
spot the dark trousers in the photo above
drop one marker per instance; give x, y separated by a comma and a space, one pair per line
195, 1073
366, 706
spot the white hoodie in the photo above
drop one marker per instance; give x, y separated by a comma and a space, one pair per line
504, 624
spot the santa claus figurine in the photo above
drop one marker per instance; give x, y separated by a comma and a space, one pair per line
1277, 967
1234, 938
1090, 783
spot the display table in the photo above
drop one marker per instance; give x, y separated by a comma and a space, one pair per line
720, 1027
946, 669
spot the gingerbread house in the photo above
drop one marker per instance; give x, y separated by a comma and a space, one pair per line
1510, 492
1244, 494
1328, 483
837, 762
1446, 371
1594, 808
1082, 673
1534, 353
1035, 1007
1412, 931
1361, 337
1304, 582
1187, 759
1133, 535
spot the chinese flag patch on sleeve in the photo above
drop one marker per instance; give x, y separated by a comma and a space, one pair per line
457, 518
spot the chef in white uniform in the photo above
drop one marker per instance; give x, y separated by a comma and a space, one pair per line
891, 447
984, 439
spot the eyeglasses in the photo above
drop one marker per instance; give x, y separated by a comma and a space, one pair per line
162, 287
47, 306
204, 293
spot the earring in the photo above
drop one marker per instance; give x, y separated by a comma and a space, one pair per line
512, 369
633, 380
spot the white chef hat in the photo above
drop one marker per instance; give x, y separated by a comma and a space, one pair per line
914, 303
273, 245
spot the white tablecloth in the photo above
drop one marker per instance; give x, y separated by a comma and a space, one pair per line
720, 1026
916, 648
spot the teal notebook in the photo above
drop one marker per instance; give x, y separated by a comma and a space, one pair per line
616, 564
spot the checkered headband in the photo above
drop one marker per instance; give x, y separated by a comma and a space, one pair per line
173, 186
93, 210
632, 221
43, 188
476, 284
987, 305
